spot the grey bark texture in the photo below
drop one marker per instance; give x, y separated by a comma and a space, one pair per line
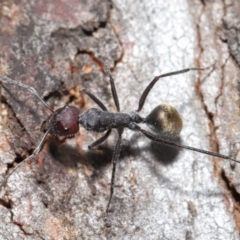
59, 47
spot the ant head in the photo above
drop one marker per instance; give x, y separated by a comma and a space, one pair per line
63, 122
165, 120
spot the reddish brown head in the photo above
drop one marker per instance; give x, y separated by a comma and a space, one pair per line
63, 122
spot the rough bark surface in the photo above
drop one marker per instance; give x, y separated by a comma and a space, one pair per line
59, 47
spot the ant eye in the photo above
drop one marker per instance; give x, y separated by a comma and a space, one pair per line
63, 122
165, 120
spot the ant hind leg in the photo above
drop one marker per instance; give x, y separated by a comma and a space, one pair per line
152, 83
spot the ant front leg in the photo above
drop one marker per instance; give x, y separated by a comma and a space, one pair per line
100, 140
102, 106
115, 158
95, 99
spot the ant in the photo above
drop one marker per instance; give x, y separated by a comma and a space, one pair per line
164, 120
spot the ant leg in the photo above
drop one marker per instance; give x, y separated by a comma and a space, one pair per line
35, 152
95, 99
100, 140
152, 83
170, 143
28, 88
113, 88
115, 158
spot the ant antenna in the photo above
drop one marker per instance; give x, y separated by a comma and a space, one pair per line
28, 88
35, 152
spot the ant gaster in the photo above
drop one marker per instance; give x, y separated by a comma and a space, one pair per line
164, 120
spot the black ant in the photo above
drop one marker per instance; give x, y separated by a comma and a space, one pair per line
164, 120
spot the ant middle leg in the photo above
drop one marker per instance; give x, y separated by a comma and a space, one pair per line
113, 88
115, 158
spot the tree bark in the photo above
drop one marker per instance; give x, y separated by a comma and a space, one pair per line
60, 47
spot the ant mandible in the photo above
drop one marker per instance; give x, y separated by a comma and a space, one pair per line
164, 120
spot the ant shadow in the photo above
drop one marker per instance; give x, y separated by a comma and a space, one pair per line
62, 156
69, 156
163, 154
101, 157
